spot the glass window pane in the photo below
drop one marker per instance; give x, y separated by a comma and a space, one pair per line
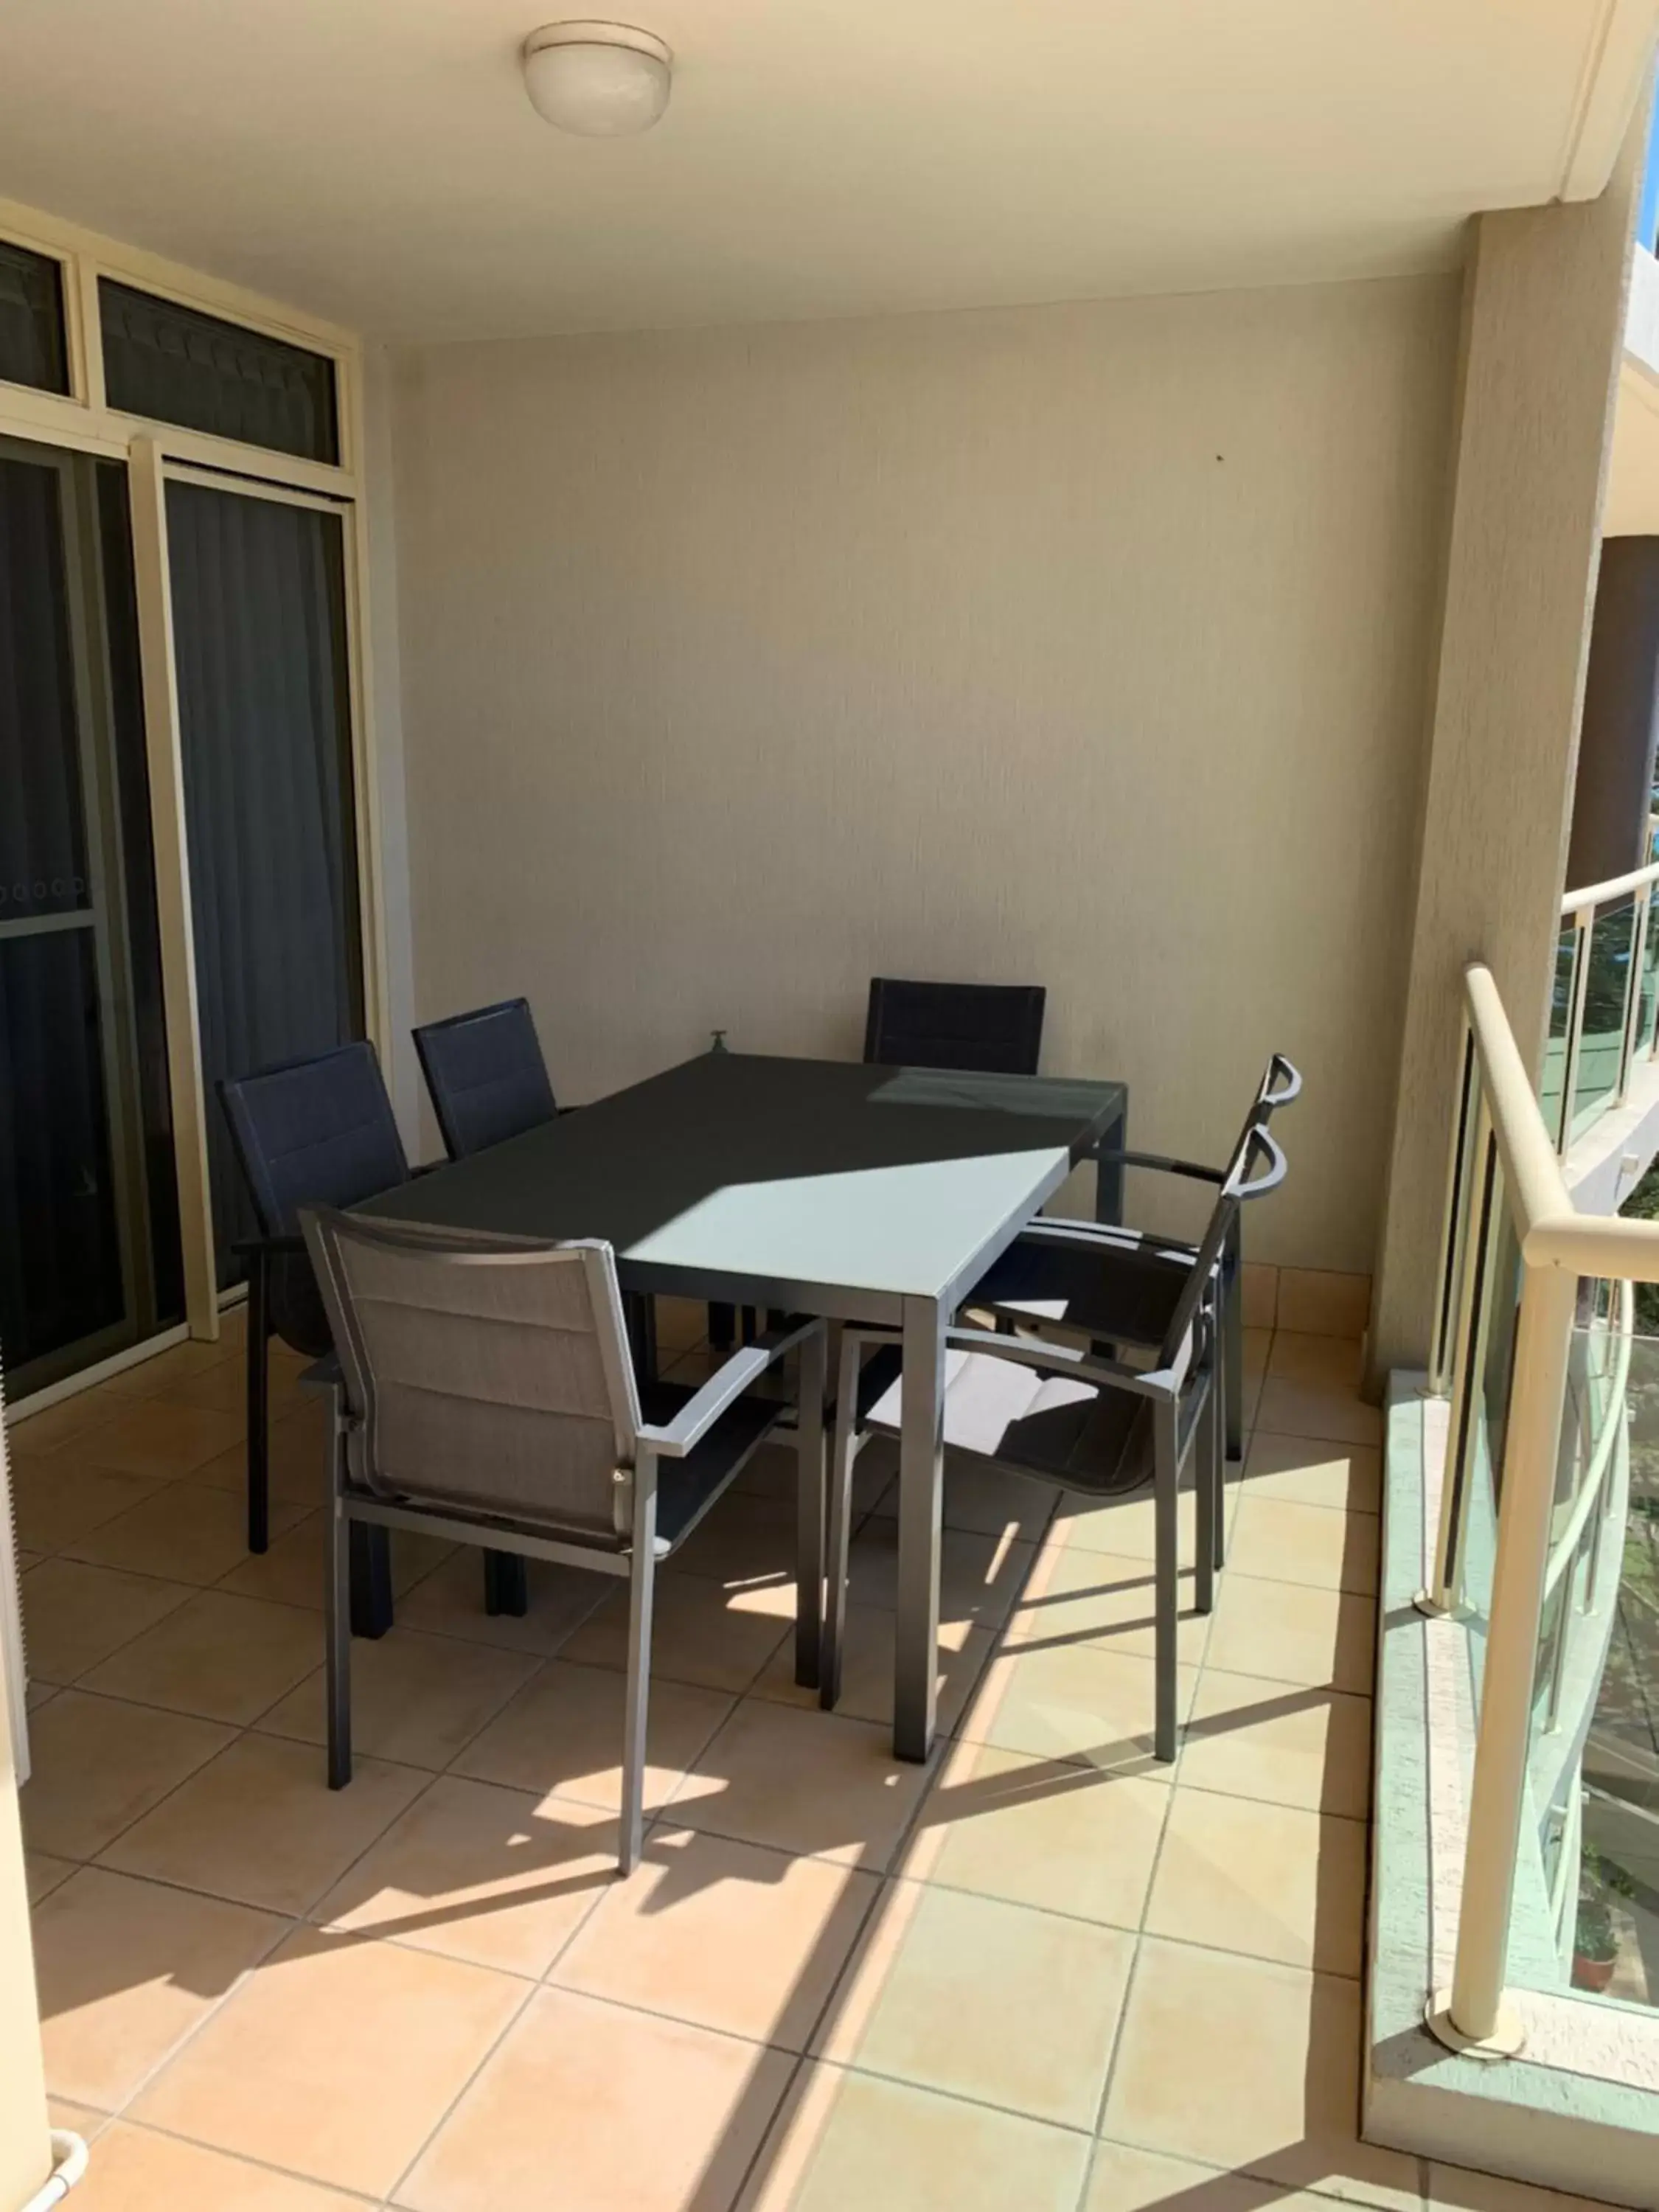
1555, 1052
32, 348
1611, 942
43, 844
174, 364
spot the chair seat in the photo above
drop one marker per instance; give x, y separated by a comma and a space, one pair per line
1045, 1425
1121, 1291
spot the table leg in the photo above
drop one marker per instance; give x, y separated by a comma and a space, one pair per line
812, 1385
921, 1502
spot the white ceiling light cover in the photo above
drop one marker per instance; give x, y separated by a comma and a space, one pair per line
598, 80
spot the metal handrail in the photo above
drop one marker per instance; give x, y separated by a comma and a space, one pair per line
1557, 1246
1593, 895
1580, 909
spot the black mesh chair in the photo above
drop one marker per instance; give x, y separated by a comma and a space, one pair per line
1117, 1287
991, 1028
486, 1075
1068, 1416
485, 1396
312, 1131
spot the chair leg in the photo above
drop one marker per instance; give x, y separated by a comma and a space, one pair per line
1207, 1465
1166, 1576
812, 1384
722, 1326
842, 1456
370, 1580
507, 1585
337, 1625
258, 1401
1232, 1334
641, 1582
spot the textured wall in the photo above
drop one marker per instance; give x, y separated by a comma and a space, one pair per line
1083, 645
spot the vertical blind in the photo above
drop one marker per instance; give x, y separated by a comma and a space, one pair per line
258, 602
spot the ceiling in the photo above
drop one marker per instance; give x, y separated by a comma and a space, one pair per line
380, 163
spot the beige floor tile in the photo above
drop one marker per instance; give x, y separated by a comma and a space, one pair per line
1277, 2052
701, 1633
746, 1542
682, 1325
1462, 2190
848, 2140
184, 1532
291, 1571
806, 1782
155, 1437
58, 1499
1260, 1288
99, 1763
1042, 1832
138, 2171
1124, 1527
1126, 2181
723, 1934
165, 1371
495, 1876
126, 1970
1316, 1302
866, 1676
376, 2043
1327, 1362
36, 1694
450, 1602
34, 1435
978, 1997
82, 2120
1282, 1541
225, 1657
416, 1699
562, 1735
1312, 1409
1292, 1633
296, 1443
587, 2108
1096, 1597
1291, 1746
1272, 1880
1073, 1702
260, 1824
42, 1874
980, 1501
980, 1576
1306, 1471
75, 1614
1257, 1344
221, 1386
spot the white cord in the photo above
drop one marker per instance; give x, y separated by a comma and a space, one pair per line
69, 2153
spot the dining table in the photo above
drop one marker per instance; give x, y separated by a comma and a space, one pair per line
861, 1194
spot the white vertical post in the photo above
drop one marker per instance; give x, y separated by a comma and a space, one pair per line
1473, 2015
173, 900
1583, 924
1476, 1227
1633, 990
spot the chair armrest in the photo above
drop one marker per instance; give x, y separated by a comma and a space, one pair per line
1160, 1164
1028, 1352
250, 1248
673, 1439
1059, 1229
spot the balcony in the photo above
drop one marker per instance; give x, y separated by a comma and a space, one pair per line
1001, 1973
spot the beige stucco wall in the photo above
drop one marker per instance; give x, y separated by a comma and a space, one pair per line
1084, 645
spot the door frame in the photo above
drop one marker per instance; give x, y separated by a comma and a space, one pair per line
156, 454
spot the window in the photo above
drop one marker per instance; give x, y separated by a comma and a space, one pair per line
176, 365
31, 349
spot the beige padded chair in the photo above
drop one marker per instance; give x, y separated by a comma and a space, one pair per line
485, 1395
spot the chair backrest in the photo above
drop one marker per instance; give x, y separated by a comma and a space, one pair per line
486, 1075
483, 1374
1257, 1145
995, 1028
1280, 1083
318, 1132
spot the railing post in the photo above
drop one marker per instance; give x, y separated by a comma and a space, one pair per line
1472, 2017
1582, 923
1443, 1594
1633, 991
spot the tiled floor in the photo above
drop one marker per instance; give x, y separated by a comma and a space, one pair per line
1043, 1975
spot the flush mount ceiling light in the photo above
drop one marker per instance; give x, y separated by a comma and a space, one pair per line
599, 80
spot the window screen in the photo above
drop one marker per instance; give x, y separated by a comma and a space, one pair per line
175, 365
32, 350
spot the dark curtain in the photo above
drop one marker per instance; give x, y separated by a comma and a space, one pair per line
259, 606
60, 1273
32, 350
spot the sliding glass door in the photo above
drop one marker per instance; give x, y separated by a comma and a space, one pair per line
89, 1260
264, 731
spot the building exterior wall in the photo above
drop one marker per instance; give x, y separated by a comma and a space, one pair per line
1087, 646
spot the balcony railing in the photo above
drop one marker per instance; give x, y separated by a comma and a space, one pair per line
1604, 1012
1532, 1346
